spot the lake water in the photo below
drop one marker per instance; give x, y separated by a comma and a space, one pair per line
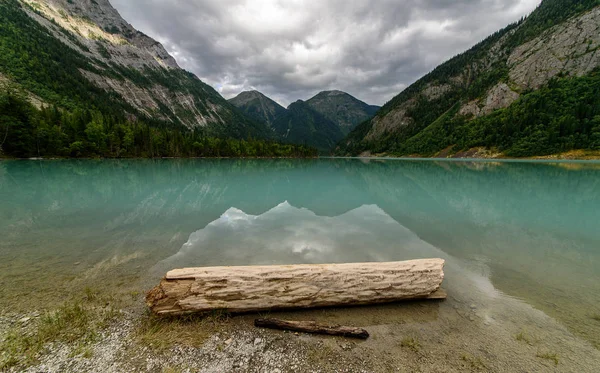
521, 240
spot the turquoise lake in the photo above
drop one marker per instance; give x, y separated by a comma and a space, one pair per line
521, 239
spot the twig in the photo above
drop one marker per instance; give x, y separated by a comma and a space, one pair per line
312, 327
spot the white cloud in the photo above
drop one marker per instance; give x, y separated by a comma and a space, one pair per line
291, 49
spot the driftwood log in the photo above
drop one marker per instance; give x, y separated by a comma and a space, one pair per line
264, 288
312, 327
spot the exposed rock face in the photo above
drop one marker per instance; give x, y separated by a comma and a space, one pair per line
398, 117
4, 81
33, 99
500, 96
570, 48
392, 122
137, 68
96, 22
433, 91
470, 109
149, 99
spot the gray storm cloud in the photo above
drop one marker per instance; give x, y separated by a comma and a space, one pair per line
292, 49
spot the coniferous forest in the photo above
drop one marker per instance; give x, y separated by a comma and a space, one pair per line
562, 116
26, 131
78, 119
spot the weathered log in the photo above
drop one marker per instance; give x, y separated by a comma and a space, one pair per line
312, 327
263, 288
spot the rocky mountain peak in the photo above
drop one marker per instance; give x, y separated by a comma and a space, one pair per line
246, 96
342, 108
297, 103
258, 106
332, 93
97, 22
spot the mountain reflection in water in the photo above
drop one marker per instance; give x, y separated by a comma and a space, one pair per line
286, 235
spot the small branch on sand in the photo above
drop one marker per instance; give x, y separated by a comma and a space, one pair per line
312, 327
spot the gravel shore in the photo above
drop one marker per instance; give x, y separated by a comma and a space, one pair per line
450, 336
236, 347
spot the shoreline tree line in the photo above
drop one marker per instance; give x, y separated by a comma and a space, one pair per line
27, 131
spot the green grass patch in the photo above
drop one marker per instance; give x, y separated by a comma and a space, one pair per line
549, 356
411, 343
162, 333
473, 362
522, 336
77, 322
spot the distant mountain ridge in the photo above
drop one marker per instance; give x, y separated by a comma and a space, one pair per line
320, 121
258, 106
343, 109
303, 125
529, 89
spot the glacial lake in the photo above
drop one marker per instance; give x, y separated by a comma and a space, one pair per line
521, 239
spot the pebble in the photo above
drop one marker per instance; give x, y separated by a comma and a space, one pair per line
473, 306
24, 319
228, 341
257, 341
346, 346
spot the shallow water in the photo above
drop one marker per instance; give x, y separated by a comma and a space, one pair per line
522, 240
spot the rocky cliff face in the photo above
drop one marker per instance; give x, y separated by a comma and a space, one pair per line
491, 76
570, 48
95, 21
126, 63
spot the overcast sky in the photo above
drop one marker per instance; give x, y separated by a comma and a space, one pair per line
293, 49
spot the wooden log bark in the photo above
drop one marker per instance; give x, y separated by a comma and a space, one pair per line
312, 327
263, 288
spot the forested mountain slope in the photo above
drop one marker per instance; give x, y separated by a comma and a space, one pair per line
258, 107
532, 88
343, 109
302, 125
83, 55
321, 121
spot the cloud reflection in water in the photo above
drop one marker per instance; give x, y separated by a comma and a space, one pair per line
289, 235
